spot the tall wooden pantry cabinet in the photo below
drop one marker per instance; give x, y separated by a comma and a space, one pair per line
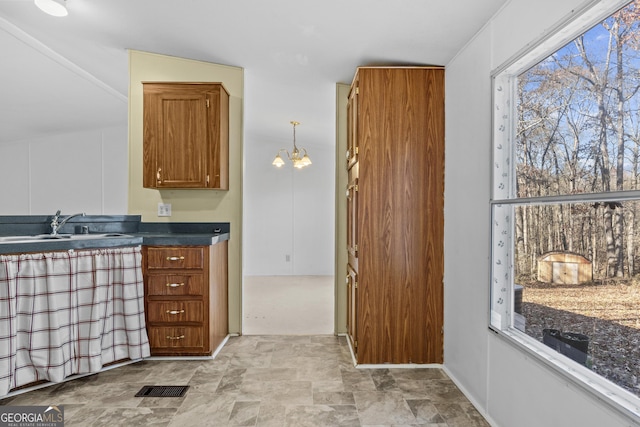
395, 218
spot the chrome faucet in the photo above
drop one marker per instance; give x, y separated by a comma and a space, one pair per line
55, 225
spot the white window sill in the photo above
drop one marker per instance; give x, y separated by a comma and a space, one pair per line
616, 397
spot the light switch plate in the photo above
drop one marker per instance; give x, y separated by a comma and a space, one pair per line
164, 209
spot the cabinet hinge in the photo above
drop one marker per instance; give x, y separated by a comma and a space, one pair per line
355, 284
357, 90
207, 102
355, 344
356, 151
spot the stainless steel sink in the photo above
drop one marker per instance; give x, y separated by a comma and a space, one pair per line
64, 237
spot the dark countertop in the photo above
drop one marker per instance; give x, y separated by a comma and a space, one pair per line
182, 233
133, 232
67, 244
181, 239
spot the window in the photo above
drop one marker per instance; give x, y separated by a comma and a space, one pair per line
565, 206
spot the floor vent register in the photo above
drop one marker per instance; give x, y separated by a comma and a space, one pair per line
162, 391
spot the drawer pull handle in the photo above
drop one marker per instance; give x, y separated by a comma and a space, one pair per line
175, 258
174, 285
181, 337
175, 311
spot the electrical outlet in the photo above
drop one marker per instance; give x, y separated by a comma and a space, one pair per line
164, 209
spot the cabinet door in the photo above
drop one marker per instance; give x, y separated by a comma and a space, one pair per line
352, 126
352, 307
186, 135
352, 220
181, 140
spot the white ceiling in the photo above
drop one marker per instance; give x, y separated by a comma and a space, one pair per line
71, 73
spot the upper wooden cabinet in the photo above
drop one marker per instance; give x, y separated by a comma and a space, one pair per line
186, 135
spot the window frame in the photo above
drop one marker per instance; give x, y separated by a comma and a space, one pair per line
504, 200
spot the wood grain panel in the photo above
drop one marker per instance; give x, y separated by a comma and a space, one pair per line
218, 119
400, 129
218, 297
182, 140
149, 148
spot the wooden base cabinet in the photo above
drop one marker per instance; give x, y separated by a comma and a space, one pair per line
395, 218
185, 298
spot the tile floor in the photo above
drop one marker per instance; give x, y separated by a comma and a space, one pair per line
262, 381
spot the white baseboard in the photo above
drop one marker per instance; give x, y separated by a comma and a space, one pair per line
470, 397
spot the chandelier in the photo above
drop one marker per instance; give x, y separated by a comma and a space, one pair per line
298, 161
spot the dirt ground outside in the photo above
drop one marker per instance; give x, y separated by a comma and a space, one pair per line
608, 313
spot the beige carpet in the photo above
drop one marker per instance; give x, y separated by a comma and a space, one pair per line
288, 305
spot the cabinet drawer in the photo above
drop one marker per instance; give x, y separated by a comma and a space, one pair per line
175, 284
175, 311
175, 337
189, 258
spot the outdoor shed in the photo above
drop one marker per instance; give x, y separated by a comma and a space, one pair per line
564, 268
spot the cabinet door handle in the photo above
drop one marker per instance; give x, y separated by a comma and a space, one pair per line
175, 285
175, 311
175, 258
159, 175
181, 337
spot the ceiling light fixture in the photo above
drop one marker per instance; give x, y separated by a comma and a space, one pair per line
298, 162
53, 7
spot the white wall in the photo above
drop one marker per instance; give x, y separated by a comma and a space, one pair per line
511, 388
287, 211
77, 172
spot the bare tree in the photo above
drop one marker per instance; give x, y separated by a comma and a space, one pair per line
575, 112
